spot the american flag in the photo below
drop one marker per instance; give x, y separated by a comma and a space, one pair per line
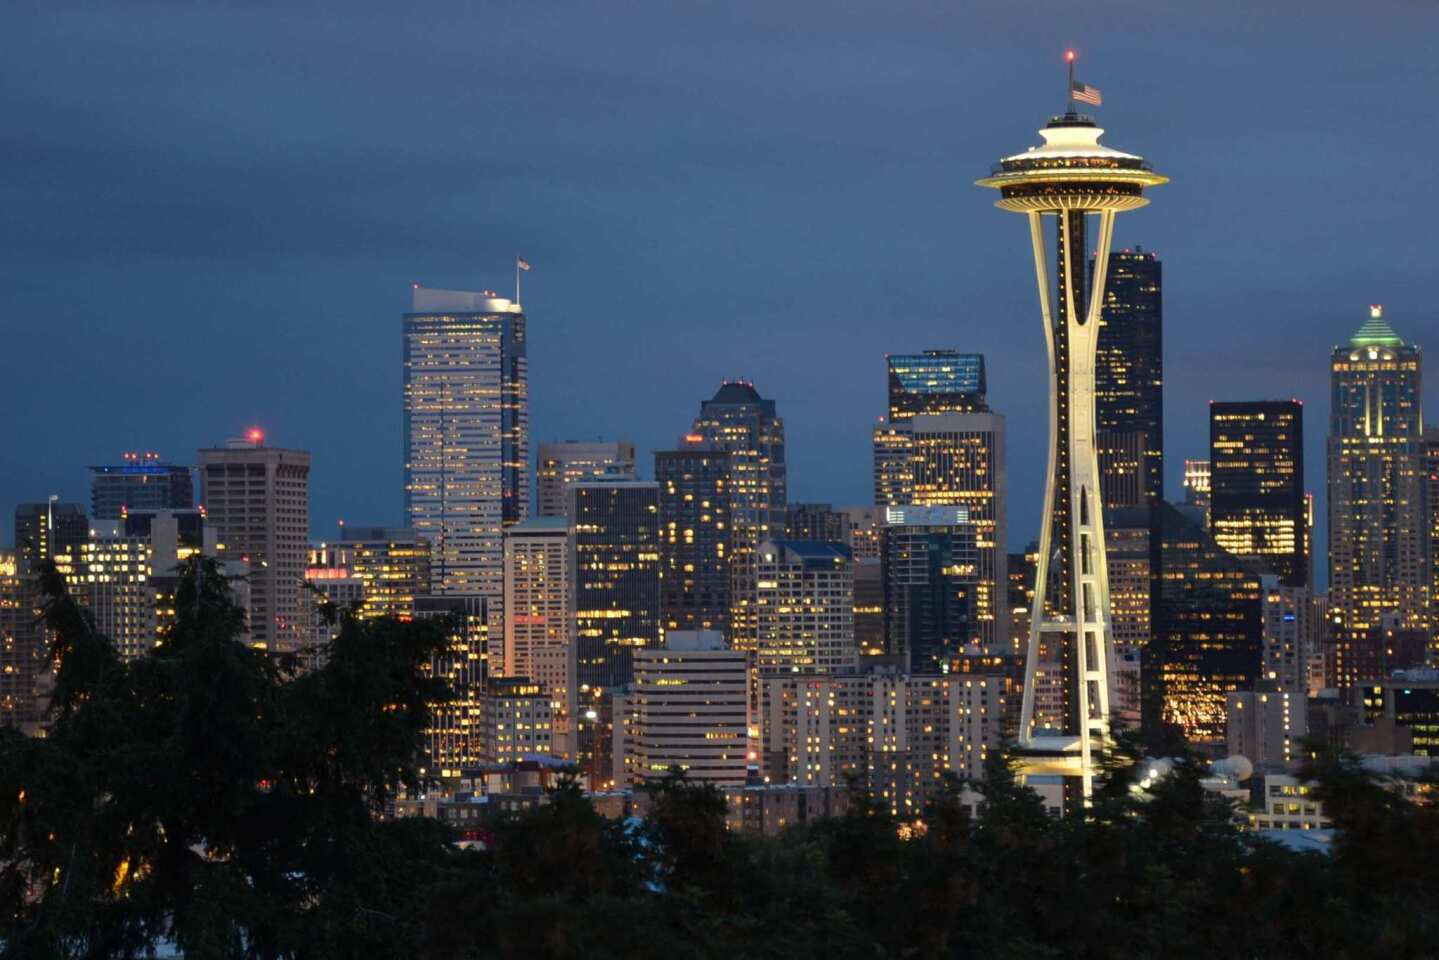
522, 263
1084, 93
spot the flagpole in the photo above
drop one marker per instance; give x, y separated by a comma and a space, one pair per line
517, 279
1069, 90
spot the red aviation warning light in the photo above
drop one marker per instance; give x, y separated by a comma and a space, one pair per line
255, 435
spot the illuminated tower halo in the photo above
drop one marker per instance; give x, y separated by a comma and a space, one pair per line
1071, 177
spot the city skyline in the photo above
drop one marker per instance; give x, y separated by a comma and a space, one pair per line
915, 280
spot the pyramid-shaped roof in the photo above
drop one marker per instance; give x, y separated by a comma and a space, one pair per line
1376, 331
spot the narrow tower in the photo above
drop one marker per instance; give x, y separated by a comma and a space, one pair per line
1071, 177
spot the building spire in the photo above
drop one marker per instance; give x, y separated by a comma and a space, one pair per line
1376, 331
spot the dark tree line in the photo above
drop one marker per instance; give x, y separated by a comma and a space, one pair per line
213, 796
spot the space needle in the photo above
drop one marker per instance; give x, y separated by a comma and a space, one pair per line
1071, 177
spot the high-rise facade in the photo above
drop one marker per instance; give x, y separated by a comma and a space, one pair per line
1206, 630
44, 531
1198, 485
935, 381
615, 578
557, 465
958, 460
1129, 380
1380, 571
805, 607
466, 434
697, 540
258, 500
931, 574
539, 641
689, 707
20, 654
393, 563
896, 734
746, 425
142, 481
454, 738
815, 521
1258, 510
1070, 178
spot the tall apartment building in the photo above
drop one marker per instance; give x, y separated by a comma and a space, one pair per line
1258, 510
805, 607
258, 500
931, 574
141, 481
896, 733
1379, 552
466, 435
688, 707
1129, 380
539, 641
557, 465
697, 539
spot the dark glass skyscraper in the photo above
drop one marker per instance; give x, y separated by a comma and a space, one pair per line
931, 582
1206, 629
1257, 507
696, 537
1129, 381
141, 482
616, 577
935, 381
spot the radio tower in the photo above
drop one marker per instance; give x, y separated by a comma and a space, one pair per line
1071, 177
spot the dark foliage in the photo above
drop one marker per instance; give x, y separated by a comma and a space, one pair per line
211, 795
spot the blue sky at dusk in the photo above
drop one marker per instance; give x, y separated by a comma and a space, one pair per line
211, 214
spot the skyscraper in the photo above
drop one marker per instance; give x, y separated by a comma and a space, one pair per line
746, 425
393, 563
557, 465
539, 641
454, 738
141, 482
1129, 380
1206, 631
258, 500
1258, 510
958, 460
615, 577
1379, 563
466, 434
697, 539
935, 381
1069, 178
931, 577
44, 531
1198, 485
805, 607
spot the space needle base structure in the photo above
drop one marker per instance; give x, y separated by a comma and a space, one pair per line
1070, 178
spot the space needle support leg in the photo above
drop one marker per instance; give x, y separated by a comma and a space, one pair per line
1036, 613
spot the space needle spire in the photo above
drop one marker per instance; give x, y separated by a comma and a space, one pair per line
1070, 178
